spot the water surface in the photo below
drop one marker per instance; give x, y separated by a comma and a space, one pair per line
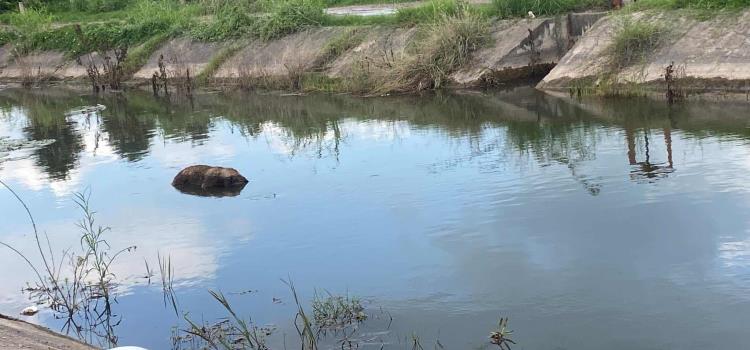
593, 224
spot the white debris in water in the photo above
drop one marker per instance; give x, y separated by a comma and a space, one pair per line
30, 311
531, 15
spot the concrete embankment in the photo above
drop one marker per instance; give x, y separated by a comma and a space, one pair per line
708, 56
16, 334
567, 51
516, 47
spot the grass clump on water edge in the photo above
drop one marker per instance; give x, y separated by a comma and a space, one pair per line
633, 40
336, 311
447, 44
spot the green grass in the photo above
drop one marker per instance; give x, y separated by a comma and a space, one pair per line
435, 10
710, 5
634, 40
444, 46
138, 57
216, 62
338, 3
521, 8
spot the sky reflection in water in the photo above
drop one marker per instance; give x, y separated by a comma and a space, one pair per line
602, 224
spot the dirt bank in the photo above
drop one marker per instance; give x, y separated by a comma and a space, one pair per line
16, 334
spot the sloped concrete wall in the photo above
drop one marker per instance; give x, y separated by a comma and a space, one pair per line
713, 54
180, 55
519, 48
380, 47
299, 51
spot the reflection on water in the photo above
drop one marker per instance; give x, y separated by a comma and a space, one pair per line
592, 224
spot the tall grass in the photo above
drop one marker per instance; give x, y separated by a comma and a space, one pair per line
633, 40
520, 8
446, 45
706, 5
433, 11
289, 16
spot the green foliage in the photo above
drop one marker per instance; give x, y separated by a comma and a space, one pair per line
633, 40
97, 5
216, 62
711, 5
215, 6
342, 43
140, 55
431, 11
337, 311
446, 45
30, 20
7, 36
335, 3
229, 22
289, 16
521, 8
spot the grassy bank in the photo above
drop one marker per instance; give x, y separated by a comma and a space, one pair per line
50, 25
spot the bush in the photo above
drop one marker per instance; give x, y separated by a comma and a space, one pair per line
633, 40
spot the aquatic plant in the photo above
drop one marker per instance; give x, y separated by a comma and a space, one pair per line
233, 333
79, 285
501, 336
336, 311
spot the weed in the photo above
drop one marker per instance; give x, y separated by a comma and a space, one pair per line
336, 311
633, 40
82, 291
432, 11
230, 22
233, 333
302, 323
140, 55
501, 336
166, 272
344, 42
30, 20
216, 62
447, 44
289, 16
520, 8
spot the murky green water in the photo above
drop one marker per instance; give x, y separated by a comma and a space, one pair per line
595, 225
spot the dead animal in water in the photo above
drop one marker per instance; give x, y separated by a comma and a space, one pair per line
208, 177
